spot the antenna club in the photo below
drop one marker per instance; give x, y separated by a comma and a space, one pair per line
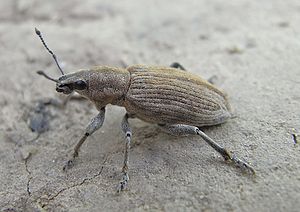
40, 72
38, 32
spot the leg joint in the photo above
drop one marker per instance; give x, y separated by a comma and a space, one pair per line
128, 134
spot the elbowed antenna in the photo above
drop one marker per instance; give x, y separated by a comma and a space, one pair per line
40, 72
38, 32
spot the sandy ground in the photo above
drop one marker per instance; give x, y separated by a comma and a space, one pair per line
252, 48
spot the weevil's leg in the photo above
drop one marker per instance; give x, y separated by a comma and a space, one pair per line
227, 155
126, 129
211, 80
94, 125
177, 65
186, 129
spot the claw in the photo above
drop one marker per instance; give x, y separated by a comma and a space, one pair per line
121, 186
227, 155
68, 165
123, 183
242, 164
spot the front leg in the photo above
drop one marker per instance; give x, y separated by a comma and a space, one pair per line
127, 130
94, 125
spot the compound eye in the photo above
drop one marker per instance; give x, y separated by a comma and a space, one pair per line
80, 85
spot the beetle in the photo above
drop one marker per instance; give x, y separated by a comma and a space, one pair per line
177, 101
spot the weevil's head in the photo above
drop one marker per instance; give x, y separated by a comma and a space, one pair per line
77, 81
67, 83
101, 84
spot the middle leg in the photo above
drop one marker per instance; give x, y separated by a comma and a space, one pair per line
178, 66
127, 130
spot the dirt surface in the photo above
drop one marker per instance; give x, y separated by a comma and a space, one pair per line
250, 48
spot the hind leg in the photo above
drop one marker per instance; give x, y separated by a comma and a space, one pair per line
181, 129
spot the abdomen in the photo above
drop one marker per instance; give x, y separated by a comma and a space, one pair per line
171, 96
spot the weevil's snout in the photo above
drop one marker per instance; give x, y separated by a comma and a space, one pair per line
63, 88
68, 83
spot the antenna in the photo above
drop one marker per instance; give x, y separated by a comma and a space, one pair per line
40, 72
38, 32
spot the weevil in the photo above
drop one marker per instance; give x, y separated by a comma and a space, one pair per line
177, 101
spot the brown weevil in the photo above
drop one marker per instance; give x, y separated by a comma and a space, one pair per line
177, 101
